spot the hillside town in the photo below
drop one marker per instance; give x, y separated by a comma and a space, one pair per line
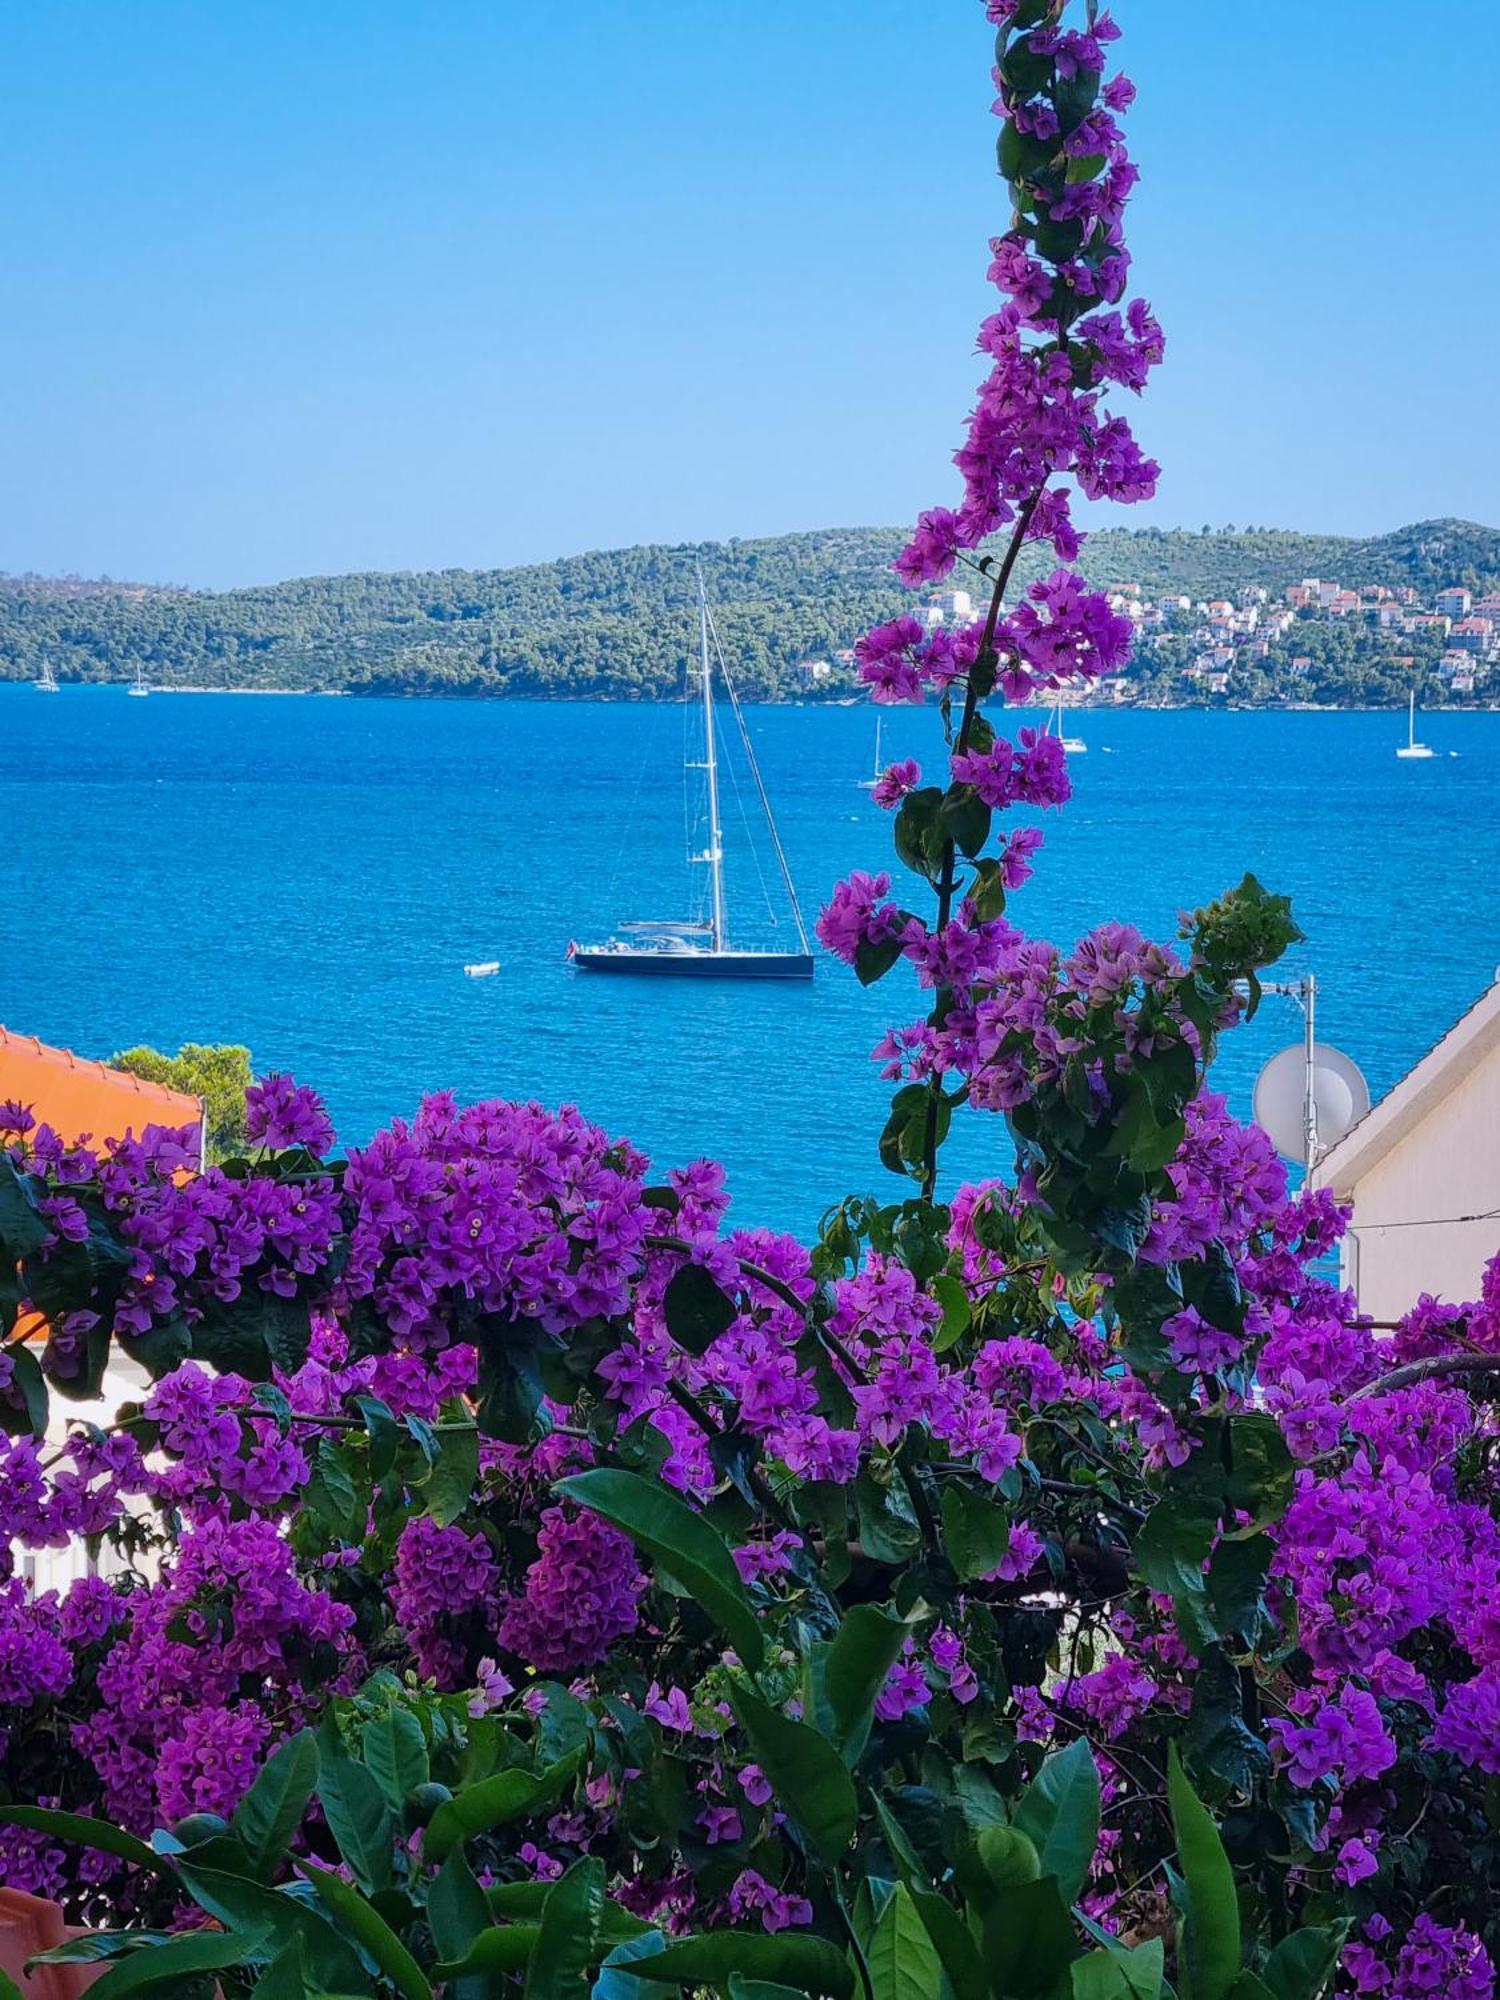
1304, 647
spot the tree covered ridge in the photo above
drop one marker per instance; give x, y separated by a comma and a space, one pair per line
619, 622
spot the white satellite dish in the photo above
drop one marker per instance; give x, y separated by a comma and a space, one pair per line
1340, 1094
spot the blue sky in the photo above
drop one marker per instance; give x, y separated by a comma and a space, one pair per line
297, 288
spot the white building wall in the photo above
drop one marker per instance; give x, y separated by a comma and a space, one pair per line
1446, 1166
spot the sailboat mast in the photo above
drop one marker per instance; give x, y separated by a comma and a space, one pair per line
711, 764
1411, 719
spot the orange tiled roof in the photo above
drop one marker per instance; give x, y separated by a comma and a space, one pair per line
76, 1096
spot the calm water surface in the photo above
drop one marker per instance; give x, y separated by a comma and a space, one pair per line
311, 875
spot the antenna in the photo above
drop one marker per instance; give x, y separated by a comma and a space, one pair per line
1311, 1095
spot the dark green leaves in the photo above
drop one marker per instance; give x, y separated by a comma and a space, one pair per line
79, 1830
1060, 1815
568, 1943
903, 1960
1301, 1966
807, 1964
273, 1808
492, 1802
365, 1923
919, 834
1210, 1943
697, 1308
806, 1774
396, 1752
687, 1546
854, 1670
976, 1533
359, 1819
159, 1967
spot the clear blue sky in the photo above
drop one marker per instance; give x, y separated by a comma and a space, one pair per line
301, 286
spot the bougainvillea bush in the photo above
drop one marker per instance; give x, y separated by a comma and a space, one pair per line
515, 1578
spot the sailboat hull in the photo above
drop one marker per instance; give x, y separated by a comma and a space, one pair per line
697, 964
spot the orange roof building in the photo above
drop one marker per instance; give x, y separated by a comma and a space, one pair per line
81, 1099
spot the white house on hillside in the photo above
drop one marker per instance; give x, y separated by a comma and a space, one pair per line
1423, 1171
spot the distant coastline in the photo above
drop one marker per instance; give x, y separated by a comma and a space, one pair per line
1253, 618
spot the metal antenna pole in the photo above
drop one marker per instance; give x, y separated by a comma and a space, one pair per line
1310, 1099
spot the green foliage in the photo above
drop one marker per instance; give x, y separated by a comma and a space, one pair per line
620, 622
218, 1073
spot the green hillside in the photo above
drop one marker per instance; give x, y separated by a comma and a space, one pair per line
620, 622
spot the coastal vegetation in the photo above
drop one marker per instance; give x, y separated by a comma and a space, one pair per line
523, 1585
619, 623
217, 1073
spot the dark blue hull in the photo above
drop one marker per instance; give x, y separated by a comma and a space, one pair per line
699, 964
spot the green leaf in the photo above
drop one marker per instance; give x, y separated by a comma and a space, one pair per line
874, 957
9, 1989
330, 1496
457, 1908
1301, 1966
396, 1752
78, 1830
616, 1981
1008, 1858
1211, 1919
805, 1772
697, 1309
502, 1948
1250, 1986
449, 1486
508, 1795
242, 1904
903, 1960
355, 1808
976, 1533
289, 1977
272, 1810
1262, 1469
568, 1941
22, 1230
24, 1411
90, 1947
807, 1964
1028, 1938
762, 1989
865, 1648
955, 1945
1173, 1545
1060, 1813
952, 1295
1237, 1573
1117, 1974
965, 819
154, 1970
688, 1546
365, 1922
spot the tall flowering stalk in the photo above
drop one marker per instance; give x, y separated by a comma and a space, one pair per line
1058, 344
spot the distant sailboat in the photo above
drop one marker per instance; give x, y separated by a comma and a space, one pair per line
700, 948
47, 681
1411, 747
869, 784
138, 685
1074, 746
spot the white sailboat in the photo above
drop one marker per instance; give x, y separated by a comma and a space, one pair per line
1074, 746
47, 681
1411, 747
138, 685
869, 784
700, 947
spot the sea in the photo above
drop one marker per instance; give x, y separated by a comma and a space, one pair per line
311, 875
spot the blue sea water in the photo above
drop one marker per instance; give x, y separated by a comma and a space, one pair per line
311, 875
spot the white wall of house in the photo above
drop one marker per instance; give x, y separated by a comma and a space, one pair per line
55, 1569
1427, 1156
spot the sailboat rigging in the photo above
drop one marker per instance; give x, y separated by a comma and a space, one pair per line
139, 685
701, 947
1073, 746
1411, 747
47, 681
869, 784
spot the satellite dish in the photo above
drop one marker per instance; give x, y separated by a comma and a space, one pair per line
1340, 1093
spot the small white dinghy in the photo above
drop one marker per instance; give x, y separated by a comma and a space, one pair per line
486, 969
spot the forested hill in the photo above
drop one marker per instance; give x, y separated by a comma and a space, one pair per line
621, 622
